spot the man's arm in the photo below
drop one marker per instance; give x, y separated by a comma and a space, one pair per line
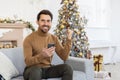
28, 54
63, 52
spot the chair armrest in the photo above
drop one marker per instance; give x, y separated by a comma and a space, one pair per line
81, 64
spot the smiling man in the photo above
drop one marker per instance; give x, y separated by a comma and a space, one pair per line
38, 55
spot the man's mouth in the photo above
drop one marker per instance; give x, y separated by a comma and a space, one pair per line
46, 27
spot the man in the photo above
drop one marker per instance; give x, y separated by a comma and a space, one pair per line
38, 56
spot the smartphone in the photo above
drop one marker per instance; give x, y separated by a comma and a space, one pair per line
51, 45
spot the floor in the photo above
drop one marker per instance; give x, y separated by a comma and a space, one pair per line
114, 69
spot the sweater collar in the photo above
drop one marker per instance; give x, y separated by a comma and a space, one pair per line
41, 33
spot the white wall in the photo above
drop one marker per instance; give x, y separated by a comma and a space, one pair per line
115, 26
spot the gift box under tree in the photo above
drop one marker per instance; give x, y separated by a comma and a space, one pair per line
98, 62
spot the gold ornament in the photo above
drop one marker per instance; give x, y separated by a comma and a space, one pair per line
63, 21
1, 20
64, 8
71, 1
77, 31
82, 30
77, 14
66, 2
62, 27
57, 30
80, 54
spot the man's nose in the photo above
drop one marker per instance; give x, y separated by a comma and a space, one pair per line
45, 22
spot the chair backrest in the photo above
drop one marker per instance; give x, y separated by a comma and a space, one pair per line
56, 60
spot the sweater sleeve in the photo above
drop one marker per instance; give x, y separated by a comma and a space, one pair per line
28, 54
63, 51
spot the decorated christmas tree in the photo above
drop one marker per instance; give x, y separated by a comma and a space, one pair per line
69, 17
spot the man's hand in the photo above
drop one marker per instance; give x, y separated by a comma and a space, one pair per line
69, 33
48, 52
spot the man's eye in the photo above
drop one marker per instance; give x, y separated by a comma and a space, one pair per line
42, 20
48, 20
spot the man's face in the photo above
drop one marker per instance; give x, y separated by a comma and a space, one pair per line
44, 23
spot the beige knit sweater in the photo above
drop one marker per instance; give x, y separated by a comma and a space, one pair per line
37, 40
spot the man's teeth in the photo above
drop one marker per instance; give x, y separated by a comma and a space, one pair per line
45, 27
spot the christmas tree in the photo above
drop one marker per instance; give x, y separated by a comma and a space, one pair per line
69, 17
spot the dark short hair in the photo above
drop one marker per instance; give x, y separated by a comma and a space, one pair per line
46, 12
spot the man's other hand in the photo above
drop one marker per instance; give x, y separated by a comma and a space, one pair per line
69, 33
48, 52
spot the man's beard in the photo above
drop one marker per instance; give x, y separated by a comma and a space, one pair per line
45, 29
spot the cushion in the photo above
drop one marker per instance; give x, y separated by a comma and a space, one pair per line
7, 69
16, 56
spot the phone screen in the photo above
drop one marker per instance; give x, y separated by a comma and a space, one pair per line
50, 45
